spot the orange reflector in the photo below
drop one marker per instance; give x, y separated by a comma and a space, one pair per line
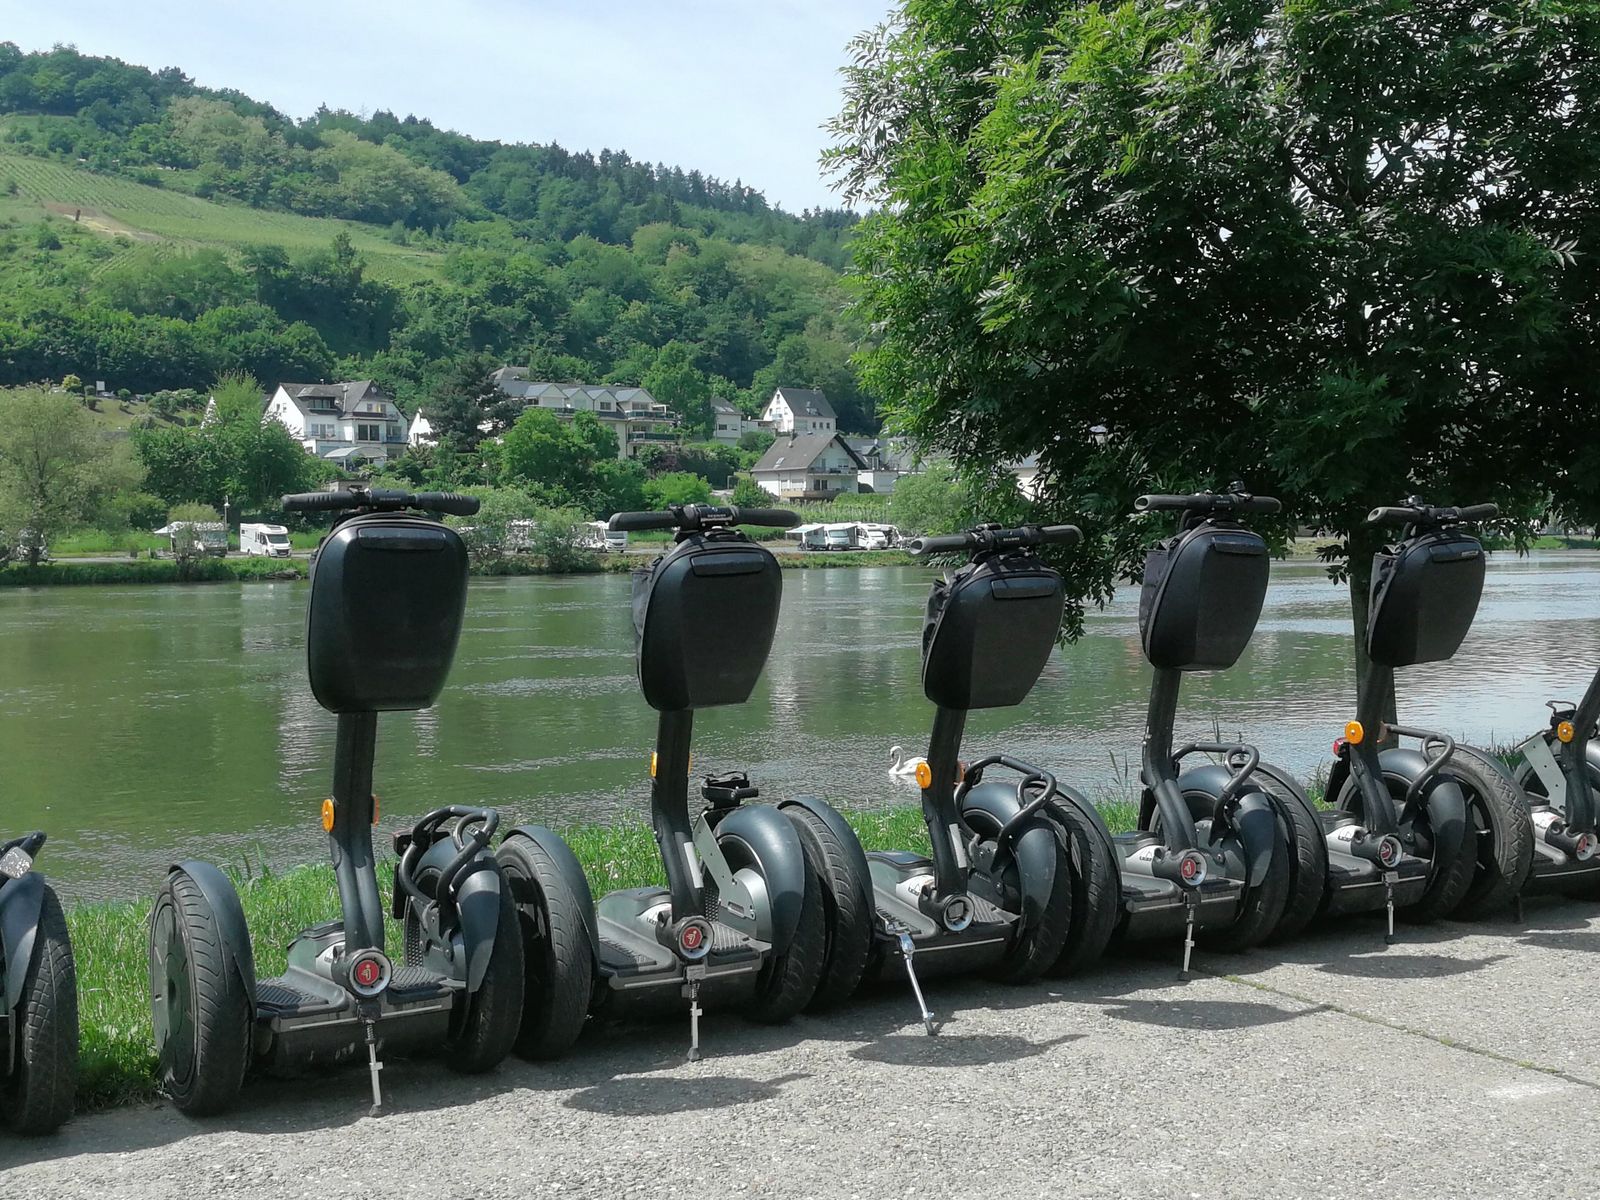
327, 815
924, 775
1353, 732
375, 803
1566, 732
652, 764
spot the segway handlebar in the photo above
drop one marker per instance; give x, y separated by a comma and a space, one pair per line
381, 499
702, 516
1417, 513
1209, 503
986, 538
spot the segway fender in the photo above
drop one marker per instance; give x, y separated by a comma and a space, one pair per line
1338, 780
566, 862
21, 901
1257, 822
780, 858
1035, 847
232, 928
840, 828
1447, 803
478, 906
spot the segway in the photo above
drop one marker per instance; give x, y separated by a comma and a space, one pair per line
1453, 806
388, 593
743, 919
39, 1020
1558, 769
1211, 858
1001, 892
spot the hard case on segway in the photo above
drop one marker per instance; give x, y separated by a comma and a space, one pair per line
1201, 598
988, 633
1423, 599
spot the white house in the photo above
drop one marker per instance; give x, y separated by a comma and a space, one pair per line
344, 422
638, 418
799, 410
809, 466
420, 432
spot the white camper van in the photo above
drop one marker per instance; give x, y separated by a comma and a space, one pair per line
597, 535
264, 541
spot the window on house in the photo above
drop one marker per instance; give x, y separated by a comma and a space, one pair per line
368, 433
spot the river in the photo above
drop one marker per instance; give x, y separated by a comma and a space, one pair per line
140, 724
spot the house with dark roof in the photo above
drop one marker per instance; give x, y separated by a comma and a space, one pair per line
799, 410
809, 466
343, 422
728, 424
637, 417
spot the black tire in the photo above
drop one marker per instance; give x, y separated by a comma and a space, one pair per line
558, 959
846, 891
36, 1097
789, 980
1096, 892
1449, 872
489, 1027
1037, 947
1262, 908
200, 1011
1504, 824
1307, 854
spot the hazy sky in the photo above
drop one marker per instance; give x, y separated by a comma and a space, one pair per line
736, 88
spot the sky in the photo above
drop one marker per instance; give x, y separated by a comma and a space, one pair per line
738, 89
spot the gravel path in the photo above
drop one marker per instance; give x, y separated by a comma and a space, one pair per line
1464, 1060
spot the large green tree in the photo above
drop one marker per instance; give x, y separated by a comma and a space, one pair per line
1345, 250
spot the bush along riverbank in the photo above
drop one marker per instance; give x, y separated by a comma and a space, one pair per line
110, 940
257, 570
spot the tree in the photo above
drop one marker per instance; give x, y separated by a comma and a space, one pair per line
676, 487
747, 493
461, 403
1327, 247
933, 502
58, 468
674, 380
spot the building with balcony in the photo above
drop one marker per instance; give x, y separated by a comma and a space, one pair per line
809, 466
638, 418
346, 423
799, 411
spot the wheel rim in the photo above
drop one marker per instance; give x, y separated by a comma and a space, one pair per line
171, 1010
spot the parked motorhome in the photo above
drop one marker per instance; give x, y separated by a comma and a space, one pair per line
879, 537
597, 535
842, 535
191, 538
264, 541
810, 537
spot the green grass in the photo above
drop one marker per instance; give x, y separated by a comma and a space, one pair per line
110, 940
115, 207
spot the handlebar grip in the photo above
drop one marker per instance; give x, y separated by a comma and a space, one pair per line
1392, 514
1166, 503
315, 501
772, 518
633, 521
446, 502
941, 544
1060, 535
1259, 504
1478, 512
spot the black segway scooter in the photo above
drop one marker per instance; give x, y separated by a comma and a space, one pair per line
388, 593
743, 918
1558, 770
1211, 857
1449, 804
1001, 892
39, 981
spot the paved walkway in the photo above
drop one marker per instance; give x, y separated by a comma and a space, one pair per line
1465, 1060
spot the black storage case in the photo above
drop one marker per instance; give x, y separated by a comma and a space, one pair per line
388, 592
1423, 599
1202, 597
704, 616
988, 633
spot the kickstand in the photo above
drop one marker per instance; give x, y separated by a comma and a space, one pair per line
907, 950
1388, 903
1191, 906
692, 976
373, 1067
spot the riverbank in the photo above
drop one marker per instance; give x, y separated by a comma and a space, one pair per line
257, 570
110, 940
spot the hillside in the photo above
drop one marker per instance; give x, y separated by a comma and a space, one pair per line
156, 234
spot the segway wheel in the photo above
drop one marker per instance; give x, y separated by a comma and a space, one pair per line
491, 1024
36, 1097
1262, 907
1096, 892
558, 961
846, 890
1504, 825
1307, 854
198, 1005
1450, 871
789, 980
1038, 946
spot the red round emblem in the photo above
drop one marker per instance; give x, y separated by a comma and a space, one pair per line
368, 972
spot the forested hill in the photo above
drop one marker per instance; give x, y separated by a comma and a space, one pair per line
154, 234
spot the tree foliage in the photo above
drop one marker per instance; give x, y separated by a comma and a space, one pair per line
1343, 250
